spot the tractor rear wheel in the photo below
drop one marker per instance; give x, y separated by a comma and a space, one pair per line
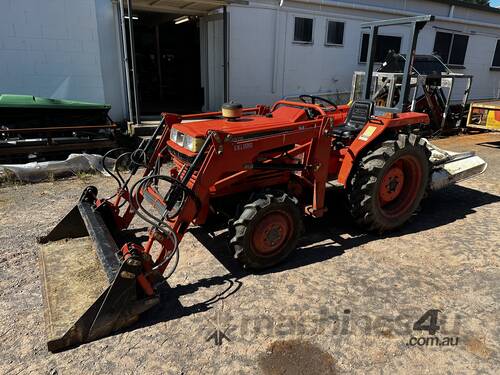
267, 230
389, 183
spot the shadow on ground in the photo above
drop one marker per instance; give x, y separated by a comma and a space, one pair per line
324, 239
336, 232
490, 144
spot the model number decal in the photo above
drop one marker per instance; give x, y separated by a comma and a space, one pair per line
243, 146
367, 133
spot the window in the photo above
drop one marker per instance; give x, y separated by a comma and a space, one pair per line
385, 43
335, 33
303, 31
451, 47
496, 56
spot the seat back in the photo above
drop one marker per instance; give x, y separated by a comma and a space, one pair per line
359, 113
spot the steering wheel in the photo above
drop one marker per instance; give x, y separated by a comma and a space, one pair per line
313, 99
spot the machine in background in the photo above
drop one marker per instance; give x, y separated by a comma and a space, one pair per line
33, 127
484, 115
432, 88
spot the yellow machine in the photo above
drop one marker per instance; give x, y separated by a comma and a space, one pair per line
484, 115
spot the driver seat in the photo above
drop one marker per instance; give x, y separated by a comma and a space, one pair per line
357, 117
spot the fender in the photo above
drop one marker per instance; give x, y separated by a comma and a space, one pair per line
371, 132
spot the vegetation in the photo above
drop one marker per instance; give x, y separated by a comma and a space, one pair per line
478, 2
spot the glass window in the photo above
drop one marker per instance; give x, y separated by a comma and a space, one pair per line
385, 43
450, 47
335, 33
496, 56
303, 30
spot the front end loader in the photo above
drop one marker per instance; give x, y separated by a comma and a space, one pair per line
264, 169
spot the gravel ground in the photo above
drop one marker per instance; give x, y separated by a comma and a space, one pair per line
345, 302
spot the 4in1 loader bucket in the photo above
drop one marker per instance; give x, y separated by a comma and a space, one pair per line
89, 291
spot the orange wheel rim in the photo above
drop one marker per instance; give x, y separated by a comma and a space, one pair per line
271, 233
399, 186
392, 183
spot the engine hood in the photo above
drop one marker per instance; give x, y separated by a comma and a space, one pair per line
245, 124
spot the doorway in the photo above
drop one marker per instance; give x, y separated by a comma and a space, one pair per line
168, 63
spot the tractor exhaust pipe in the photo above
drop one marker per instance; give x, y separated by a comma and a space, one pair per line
89, 289
451, 167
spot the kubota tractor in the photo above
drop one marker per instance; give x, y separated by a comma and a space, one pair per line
265, 168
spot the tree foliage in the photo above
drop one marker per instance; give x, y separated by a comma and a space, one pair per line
478, 2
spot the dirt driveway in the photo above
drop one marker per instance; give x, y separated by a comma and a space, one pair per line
346, 302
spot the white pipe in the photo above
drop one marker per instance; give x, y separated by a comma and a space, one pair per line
452, 11
274, 82
123, 88
124, 55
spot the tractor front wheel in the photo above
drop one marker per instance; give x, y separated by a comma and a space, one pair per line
389, 183
267, 230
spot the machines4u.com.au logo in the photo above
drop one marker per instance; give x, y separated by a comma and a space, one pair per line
430, 322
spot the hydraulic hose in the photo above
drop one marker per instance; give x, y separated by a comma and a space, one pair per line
159, 222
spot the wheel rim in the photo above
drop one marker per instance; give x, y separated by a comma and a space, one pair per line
399, 186
271, 233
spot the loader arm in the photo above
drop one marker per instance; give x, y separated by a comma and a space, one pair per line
222, 155
130, 268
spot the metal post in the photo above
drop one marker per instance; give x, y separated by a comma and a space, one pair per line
447, 105
415, 92
417, 23
132, 60
408, 70
372, 44
125, 61
225, 42
466, 99
158, 60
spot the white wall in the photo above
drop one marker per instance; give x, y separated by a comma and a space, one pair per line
266, 65
51, 48
112, 70
214, 85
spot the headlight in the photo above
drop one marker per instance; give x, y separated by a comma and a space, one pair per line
188, 142
173, 134
191, 143
197, 144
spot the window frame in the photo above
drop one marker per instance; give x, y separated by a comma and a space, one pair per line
312, 30
397, 35
497, 47
446, 62
328, 20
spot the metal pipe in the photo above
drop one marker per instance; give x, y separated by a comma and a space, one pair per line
275, 51
132, 60
465, 99
410, 56
224, 48
158, 60
372, 42
414, 98
125, 61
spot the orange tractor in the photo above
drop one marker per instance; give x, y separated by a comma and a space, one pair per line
264, 168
